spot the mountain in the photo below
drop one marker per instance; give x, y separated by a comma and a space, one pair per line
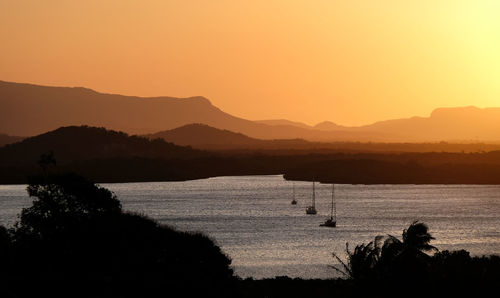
30, 110
78, 143
6, 139
202, 136
280, 122
453, 124
327, 125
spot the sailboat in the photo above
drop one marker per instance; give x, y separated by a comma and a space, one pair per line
294, 201
312, 209
332, 221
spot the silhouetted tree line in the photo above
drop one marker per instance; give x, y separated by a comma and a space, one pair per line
305, 168
372, 171
108, 156
392, 267
76, 241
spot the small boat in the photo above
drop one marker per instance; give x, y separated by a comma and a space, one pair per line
294, 201
312, 209
332, 221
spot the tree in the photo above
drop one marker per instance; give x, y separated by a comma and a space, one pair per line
417, 237
63, 201
388, 257
76, 236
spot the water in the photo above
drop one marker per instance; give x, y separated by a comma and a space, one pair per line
252, 219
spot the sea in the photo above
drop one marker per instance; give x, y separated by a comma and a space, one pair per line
252, 219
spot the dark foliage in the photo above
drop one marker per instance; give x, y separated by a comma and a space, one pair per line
76, 241
399, 169
388, 267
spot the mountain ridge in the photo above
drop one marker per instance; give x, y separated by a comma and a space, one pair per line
29, 109
32, 109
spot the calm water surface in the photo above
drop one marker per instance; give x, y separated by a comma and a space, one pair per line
252, 219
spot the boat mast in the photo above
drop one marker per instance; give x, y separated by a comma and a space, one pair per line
293, 190
314, 196
334, 210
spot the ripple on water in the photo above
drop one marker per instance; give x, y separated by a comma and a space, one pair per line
252, 219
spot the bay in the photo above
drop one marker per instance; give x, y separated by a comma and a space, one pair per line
251, 217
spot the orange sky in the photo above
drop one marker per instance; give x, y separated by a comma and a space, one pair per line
352, 62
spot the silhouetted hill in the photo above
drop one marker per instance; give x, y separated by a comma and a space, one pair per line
6, 139
86, 143
202, 136
110, 156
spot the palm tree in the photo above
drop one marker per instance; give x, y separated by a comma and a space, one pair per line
417, 237
416, 240
362, 262
400, 259
387, 255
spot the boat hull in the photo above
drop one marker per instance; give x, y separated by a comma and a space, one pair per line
329, 225
311, 210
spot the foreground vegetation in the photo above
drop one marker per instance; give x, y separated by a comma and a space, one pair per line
76, 241
393, 267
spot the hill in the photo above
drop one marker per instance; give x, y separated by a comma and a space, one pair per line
110, 156
205, 137
87, 143
202, 136
6, 139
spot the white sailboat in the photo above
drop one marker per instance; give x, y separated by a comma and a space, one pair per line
332, 221
312, 209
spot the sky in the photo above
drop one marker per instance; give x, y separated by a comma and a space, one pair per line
351, 62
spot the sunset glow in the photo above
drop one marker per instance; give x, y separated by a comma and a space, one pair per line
350, 62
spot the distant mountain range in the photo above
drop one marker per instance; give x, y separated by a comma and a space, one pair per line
201, 136
27, 110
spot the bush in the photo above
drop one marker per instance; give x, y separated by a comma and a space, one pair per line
76, 236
